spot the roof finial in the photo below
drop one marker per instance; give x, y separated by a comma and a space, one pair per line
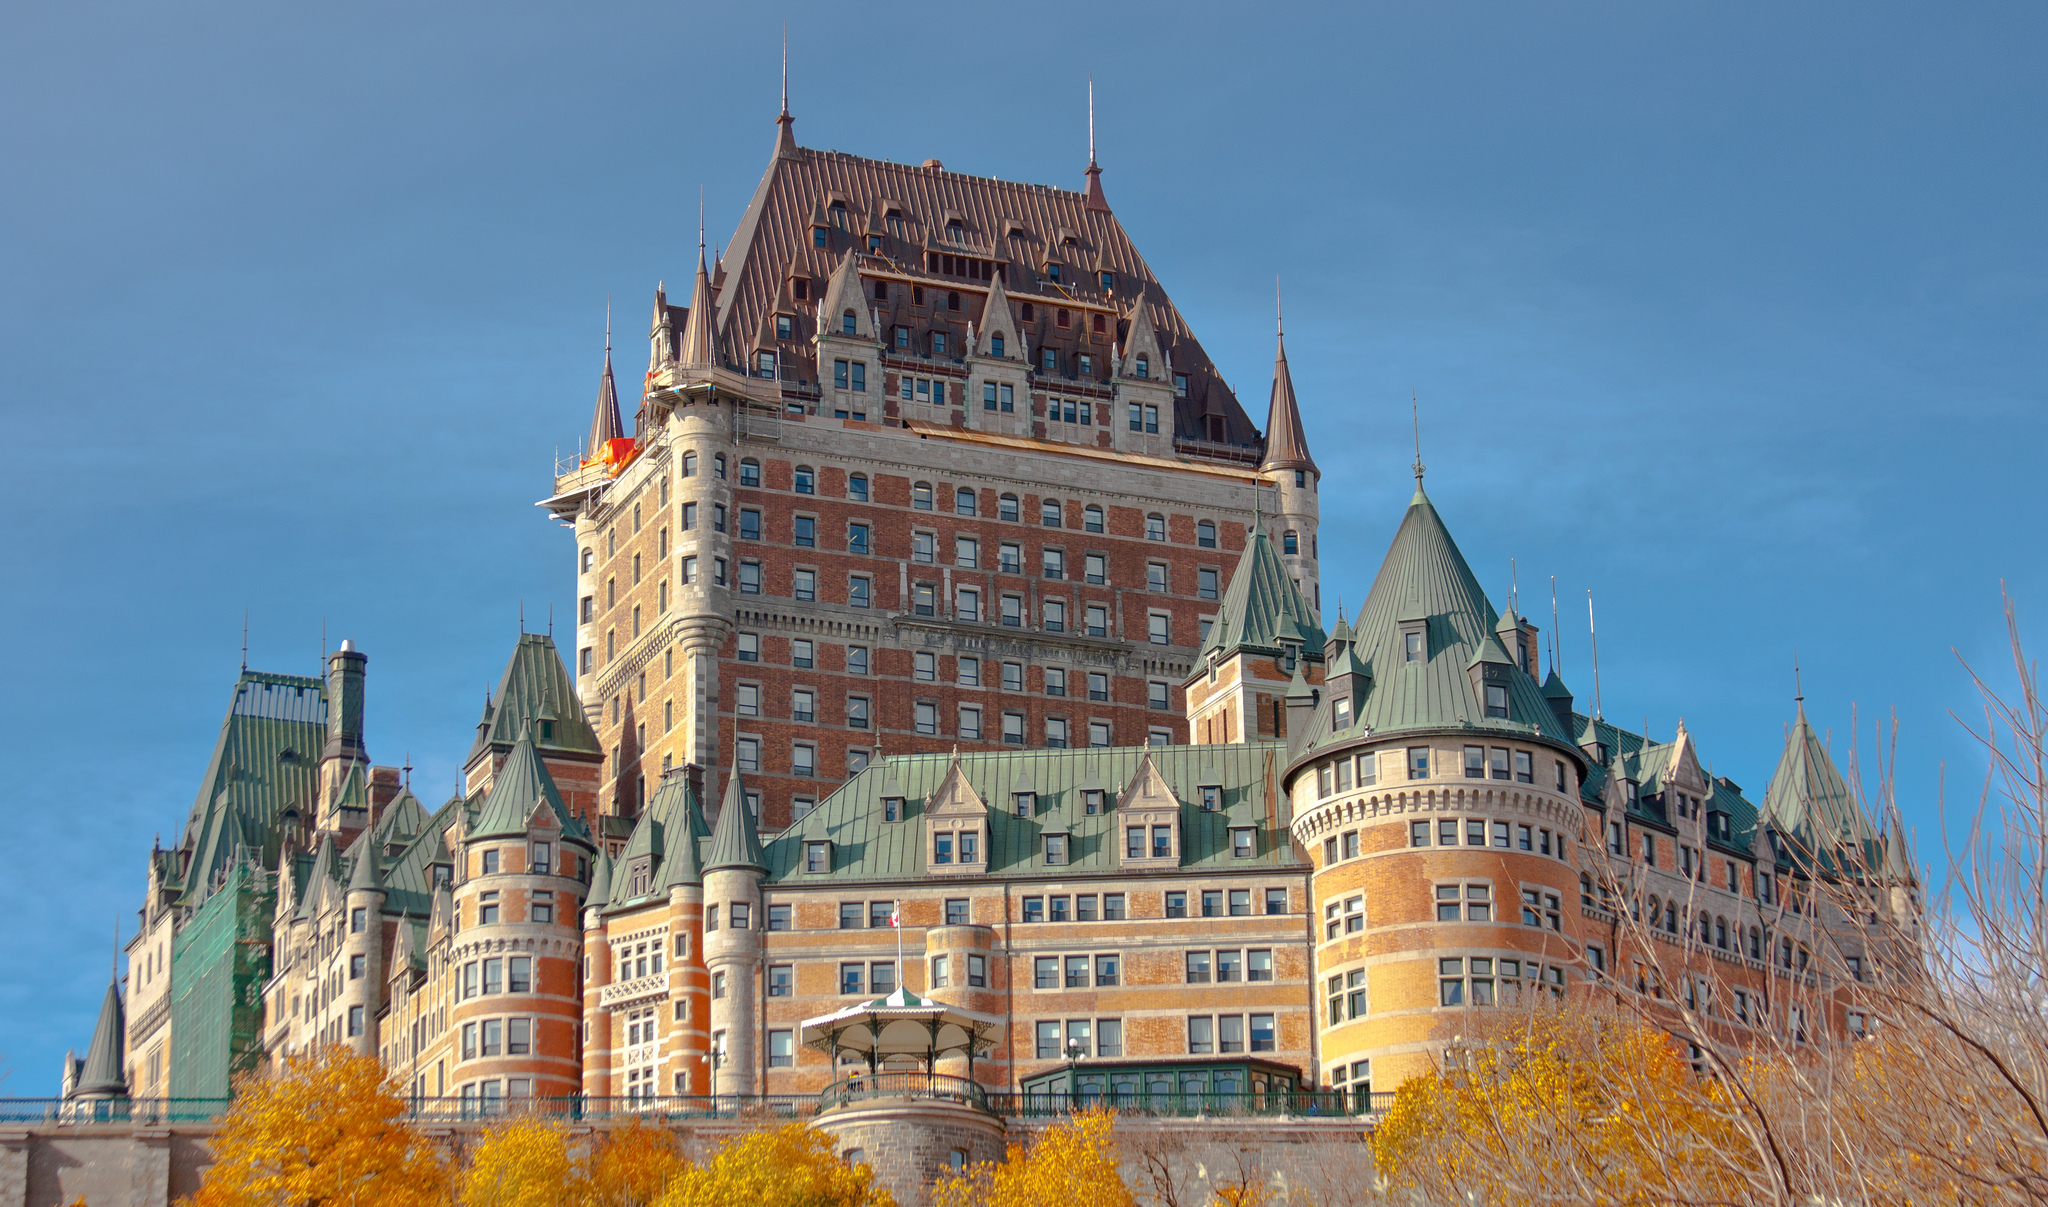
115, 974
1798, 692
607, 323
408, 770
785, 125
785, 69
1415, 408
522, 618
551, 620
700, 224
1279, 310
1514, 589
245, 639
1553, 624
1593, 629
1091, 119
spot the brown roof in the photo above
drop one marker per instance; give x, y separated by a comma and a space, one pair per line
1286, 441
1015, 229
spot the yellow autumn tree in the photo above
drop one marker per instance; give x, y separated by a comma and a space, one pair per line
1563, 1106
326, 1130
630, 1167
1071, 1165
790, 1166
521, 1162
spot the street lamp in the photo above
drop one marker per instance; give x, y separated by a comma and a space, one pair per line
1077, 1051
715, 1057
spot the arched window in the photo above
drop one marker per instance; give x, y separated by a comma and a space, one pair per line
857, 487
1585, 891
689, 465
1671, 918
1006, 507
1289, 542
1205, 534
806, 480
1155, 527
995, 345
1091, 518
1030, 312
952, 301
963, 501
1721, 933
847, 322
1142, 367
1655, 907
718, 465
1049, 513
921, 496
750, 472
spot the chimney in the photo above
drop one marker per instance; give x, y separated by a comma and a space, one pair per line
345, 704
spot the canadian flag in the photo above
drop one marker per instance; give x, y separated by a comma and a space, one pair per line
895, 919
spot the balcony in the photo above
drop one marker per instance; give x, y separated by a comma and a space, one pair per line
627, 993
931, 1087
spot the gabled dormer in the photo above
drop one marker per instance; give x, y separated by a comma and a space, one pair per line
1150, 813
955, 827
1491, 672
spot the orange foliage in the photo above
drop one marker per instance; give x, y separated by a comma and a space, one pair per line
1072, 1165
631, 1167
326, 1131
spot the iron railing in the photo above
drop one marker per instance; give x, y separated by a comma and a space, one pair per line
861, 1087
941, 1086
1191, 1104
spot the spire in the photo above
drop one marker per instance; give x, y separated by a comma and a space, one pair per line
735, 842
1808, 800
1096, 201
1286, 443
1415, 412
364, 877
699, 331
605, 425
1262, 608
785, 125
102, 1075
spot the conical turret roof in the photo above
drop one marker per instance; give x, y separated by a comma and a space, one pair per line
522, 785
1425, 581
1554, 688
1262, 608
1286, 439
735, 842
1808, 799
700, 329
103, 1075
605, 425
364, 878
600, 880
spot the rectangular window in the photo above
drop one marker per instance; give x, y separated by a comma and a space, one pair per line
850, 977
1258, 965
1176, 903
1162, 842
1229, 967
1418, 762
849, 915
1201, 1034
1197, 965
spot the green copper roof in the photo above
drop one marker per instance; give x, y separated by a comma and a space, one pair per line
670, 833
102, 1075
1263, 609
364, 877
600, 880
1425, 578
735, 842
521, 785
265, 760
868, 847
536, 688
1808, 799
1554, 688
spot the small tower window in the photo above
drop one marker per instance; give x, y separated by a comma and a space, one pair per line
1109, 284
1290, 543
995, 345
1142, 367
846, 322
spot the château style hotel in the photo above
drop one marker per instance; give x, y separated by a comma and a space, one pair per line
940, 577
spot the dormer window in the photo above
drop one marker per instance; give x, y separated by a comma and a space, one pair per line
1142, 366
895, 224
1108, 280
1717, 826
1633, 792
995, 345
818, 857
1091, 801
892, 808
1340, 712
1212, 798
838, 213
800, 288
1497, 700
1413, 646
1055, 849
1052, 273
847, 322
955, 233
1023, 802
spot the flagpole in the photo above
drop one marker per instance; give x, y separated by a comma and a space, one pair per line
898, 918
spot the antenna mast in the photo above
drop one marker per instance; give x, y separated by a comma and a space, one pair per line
1593, 629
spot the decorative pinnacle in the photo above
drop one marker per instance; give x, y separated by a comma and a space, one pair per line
1798, 692
1415, 409
785, 69
1279, 310
1091, 119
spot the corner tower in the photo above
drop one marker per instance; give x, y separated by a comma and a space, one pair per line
1292, 473
1434, 789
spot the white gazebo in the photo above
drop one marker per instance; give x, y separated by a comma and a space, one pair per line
902, 1024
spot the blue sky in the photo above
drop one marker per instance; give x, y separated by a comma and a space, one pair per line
1731, 313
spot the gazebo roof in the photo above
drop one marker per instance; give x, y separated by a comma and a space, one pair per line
901, 1024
